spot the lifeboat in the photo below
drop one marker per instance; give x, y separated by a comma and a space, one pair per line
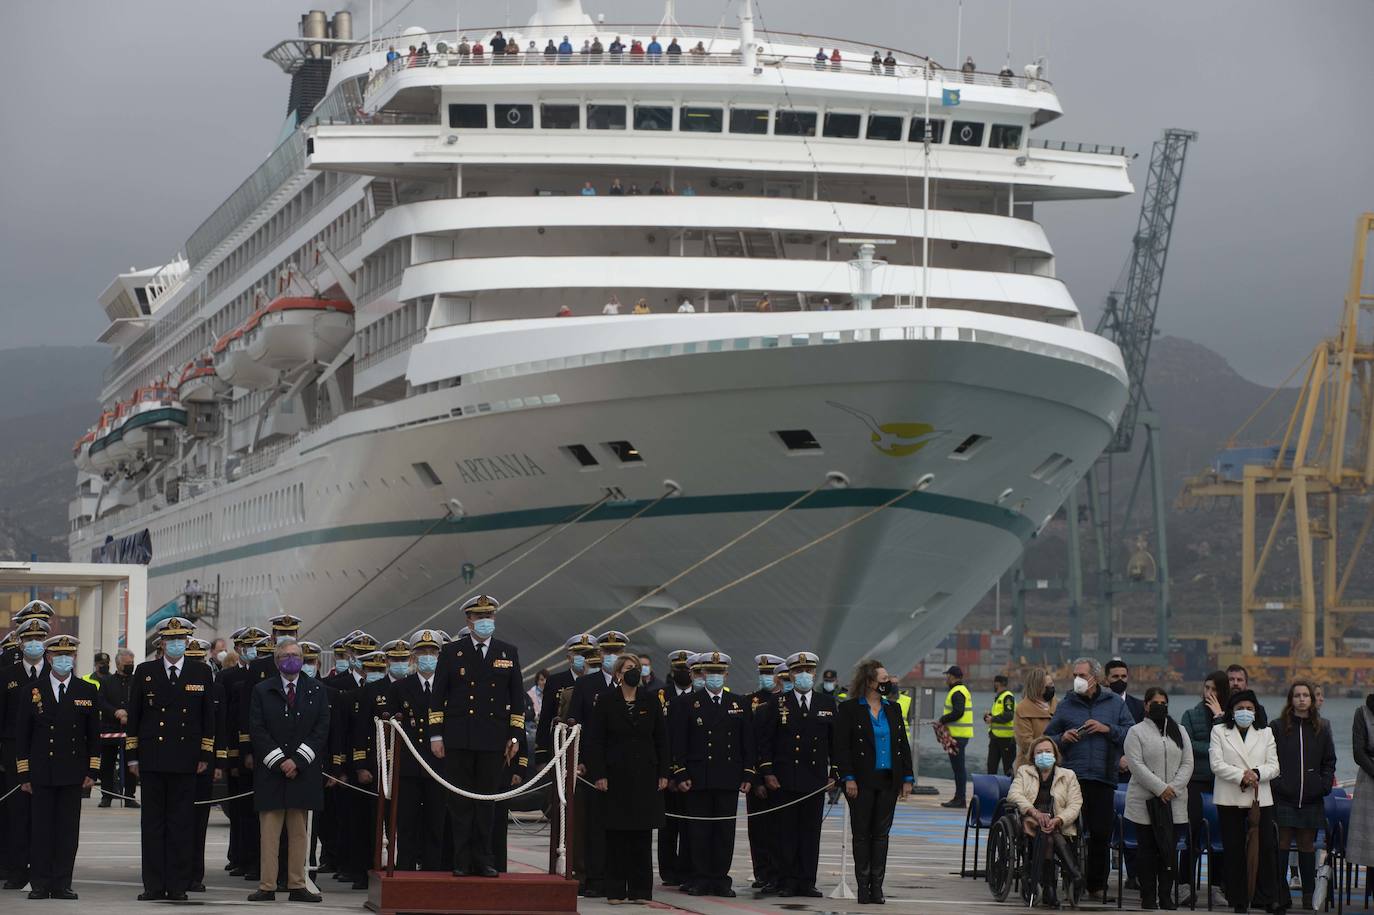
81, 452
117, 451
97, 454
295, 331
153, 410
234, 366
199, 383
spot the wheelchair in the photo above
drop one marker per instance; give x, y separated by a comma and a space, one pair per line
1009, 852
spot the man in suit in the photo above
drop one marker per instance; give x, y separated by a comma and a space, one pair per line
354, 809
19, 679
588, 819
762, 836
171, 741
482, 708
674, 860
197, 652
422, 803
288, 719
58, 735
577, 648
713, 763
794, 749
113, 701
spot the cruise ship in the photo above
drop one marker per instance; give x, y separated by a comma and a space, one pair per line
725, 337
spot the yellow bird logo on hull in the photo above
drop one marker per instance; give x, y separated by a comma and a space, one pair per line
893, 439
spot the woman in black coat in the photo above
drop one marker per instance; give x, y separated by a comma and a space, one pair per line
873, 757
1307, 765
627, 758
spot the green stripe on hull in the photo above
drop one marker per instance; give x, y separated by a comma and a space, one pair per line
1013, 523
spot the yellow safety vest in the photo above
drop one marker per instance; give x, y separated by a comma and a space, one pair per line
904, 703
964, 726
998, 707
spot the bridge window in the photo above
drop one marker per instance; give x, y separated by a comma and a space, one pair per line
1005, 136
798, 440
605, 117
842, 126
560, 117
917, 133
627, 452
795, 124
749, 120
582, 454
517, 117
967, 133
702, 120
653, 117
884, 127
473, 117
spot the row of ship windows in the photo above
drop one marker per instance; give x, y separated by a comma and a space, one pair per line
784, 122
183, 536
266, 512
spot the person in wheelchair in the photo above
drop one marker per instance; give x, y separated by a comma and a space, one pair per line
1049, 800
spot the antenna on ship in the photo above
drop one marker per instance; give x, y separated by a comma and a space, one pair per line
748, 50
669, 21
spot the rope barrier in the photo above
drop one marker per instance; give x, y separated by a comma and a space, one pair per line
756, 813
349, 785
539, 662
781, 559
105, 792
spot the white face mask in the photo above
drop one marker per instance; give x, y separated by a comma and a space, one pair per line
1081, 685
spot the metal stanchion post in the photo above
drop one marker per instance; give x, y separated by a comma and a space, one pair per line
842, 890
924, 711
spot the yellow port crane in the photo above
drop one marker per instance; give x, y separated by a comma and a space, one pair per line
1326, 456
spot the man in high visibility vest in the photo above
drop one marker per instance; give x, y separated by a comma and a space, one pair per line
958, 718
1001, 739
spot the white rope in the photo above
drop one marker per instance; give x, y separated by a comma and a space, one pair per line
734, 816
104, 792
7, 794
348, 785
561, 746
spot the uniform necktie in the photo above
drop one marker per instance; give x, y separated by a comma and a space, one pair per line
33, 674
717, 698
290, 695
61, 691
806, 705
426, 688
172, 675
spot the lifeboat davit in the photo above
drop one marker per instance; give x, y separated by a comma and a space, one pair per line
234, 366
199, 383
97, 453
81, 452
294, 331
153, 410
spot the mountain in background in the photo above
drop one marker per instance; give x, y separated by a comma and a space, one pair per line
52, 395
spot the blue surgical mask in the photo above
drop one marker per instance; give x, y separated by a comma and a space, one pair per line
608, 662
828, 686
63, 664
766, 681
341, 665
310, 670
645, 671
174, 648
788, 686
250, 653
698, 683
715, 681
355, 663
372, 676
428, 663
484, 628
1244, 717
33, 649
579, 663
399, 669
805, 682
1044, 760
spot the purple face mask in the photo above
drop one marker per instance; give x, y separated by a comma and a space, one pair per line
290, 664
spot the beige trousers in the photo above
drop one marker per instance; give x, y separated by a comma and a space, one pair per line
270, 822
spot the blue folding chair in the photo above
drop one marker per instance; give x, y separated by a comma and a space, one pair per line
1337, 809
1211, 847
989, 793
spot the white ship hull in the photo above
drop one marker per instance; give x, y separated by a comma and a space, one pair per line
346, 530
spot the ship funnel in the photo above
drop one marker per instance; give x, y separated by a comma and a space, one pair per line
560, 14
315, 24
342, 27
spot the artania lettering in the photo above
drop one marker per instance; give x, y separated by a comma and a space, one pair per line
498, 467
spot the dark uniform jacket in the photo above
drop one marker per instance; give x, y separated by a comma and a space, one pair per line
59, 742
713, 745
299, 732
371, 702
234, 683
548, 710
586, 692
416, 712
15, 681
628, 746
794, 747
113, 696
855, 753
345, 689
171, 728
259, 669
483, 698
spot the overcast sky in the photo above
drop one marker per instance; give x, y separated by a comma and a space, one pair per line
123, 124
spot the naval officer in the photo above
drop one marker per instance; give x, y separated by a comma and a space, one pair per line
422, 803
762, 839
674, 861
19, 680
58, 734
589, 812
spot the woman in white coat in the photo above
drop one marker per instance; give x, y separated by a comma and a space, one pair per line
1244, 761
1161, 764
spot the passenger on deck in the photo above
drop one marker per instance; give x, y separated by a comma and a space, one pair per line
513, 47
532, 50
391, 55
688, 190
550, 49
968, 68
564, 312
764, 304
634, 190
686, 308
477, 50
674, 50
498, 43
617, 46
876, 64
820, 58
586, 47
616, 190
890, 64
1006, 73
642, 307
565, 47
464, 49
411, 56
655, 50
588, 190
698, 50
656, 190
636, 49
422, 56
597, 47
612, 306
835, 59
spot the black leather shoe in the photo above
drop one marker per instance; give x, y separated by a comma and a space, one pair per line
196, 888
62, 894
38, 894
954, 803
591, 892
360, 883
16, 884
149, 897
106, 801
262, 896
811, 893
696, 891
132, 805
486, 870
758, 884
176, 897
726, 894
235, 871
304, 896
